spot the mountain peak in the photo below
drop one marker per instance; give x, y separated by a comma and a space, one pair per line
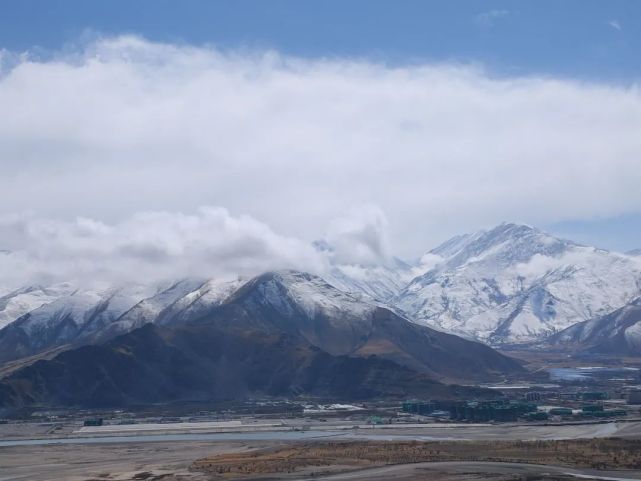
287, 277
500, 247
516, 229
515, 282
309, 291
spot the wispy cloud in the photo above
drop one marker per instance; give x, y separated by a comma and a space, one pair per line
488, 19
615, 25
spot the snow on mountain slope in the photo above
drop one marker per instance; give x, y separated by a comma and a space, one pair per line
185, 300
150, 308
89, 315
516, 283
17, 303
289, 291
66, 319
198, 302
380, 281
513, 283
84, 309
303, 305
617, 333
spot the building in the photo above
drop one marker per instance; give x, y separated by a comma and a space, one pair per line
560, 412
93, 422
422, 408
592, 408
533, 396
633, 397
594, 396
536, 416
483, 411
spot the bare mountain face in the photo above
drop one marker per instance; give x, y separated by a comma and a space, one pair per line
202, 362
516, 284
617, 333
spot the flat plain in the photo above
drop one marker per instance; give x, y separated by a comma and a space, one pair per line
613, 459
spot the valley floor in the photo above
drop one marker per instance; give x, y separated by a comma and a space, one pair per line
191, 461
108, 462
294, 448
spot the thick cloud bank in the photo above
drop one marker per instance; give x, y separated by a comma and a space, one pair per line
165, 246
146, 247
122, 126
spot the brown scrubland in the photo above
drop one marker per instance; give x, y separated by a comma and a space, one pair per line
318, 458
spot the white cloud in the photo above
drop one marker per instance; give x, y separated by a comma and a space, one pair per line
124, 126
360, 237
426, 263
540, 264
150, 246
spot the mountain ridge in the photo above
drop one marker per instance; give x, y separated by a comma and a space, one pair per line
282, 333
510, 284
341, 324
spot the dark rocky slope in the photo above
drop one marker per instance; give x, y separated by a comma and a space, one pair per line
202, 363
347, 326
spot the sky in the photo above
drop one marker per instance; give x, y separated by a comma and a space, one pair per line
225, 136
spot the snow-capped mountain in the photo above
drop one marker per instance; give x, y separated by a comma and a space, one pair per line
284, 334
16, 303
290, 303
617, 333
306, 306
184, 300
149, 308
379, 282
515, 283
511, 284
67, 318
198, 302
307, 301
83, 316
634, 252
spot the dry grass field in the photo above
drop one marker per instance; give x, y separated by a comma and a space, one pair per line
340, 456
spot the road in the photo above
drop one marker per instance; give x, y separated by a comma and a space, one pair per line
13, 435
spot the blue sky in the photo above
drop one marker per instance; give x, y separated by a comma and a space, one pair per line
621, 233
589, 46
579, 38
